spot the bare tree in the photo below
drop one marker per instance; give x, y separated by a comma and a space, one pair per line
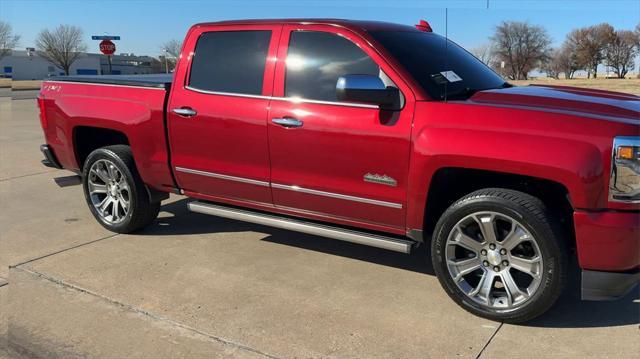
485, 54
561, 61
8, 40
621, 52
521, 46
568, 61
552, 66
62, 46
172, 48
590, 44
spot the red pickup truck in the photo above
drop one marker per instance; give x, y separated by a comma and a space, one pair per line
380, 134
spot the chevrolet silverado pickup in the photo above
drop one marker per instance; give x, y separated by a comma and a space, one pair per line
375, 133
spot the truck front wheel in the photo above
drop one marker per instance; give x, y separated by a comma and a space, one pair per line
114, 191
498, 254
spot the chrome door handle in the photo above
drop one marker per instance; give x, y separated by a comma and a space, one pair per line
184, 112
287, 122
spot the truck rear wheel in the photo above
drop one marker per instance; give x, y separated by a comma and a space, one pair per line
114, 191
498, 255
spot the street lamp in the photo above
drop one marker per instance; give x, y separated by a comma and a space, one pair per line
166, 61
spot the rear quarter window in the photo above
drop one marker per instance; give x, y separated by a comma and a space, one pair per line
230, 61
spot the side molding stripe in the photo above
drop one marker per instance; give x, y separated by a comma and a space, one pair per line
224, 177
337, 195
291, 188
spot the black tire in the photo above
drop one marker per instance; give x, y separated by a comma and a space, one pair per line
141, 211
534, 217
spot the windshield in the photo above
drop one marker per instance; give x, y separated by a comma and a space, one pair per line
439, 66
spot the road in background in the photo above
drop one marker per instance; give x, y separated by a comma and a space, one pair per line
24, 94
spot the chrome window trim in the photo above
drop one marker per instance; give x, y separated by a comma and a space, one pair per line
224, 177
320, 102
337, 195
277, 98
234, 94
291, 188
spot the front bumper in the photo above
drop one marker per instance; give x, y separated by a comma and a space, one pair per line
50, 159
608, 245
608, 240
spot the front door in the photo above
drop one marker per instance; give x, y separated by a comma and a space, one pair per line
346, 161
218, 117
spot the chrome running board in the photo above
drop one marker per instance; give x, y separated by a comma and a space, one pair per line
373, 240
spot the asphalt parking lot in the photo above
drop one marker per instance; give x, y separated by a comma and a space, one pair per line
199, 286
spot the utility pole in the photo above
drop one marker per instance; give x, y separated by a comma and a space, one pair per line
166, 62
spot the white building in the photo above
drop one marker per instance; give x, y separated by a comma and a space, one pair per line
127, 64
28, 65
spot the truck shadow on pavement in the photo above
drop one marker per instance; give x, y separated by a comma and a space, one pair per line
569, 311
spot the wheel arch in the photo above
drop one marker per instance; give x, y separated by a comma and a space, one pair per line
89, 138
449, 184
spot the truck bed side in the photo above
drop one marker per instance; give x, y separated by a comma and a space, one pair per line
78, 112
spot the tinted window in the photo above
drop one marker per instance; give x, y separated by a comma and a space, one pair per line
230, 61
425, 55
315, 60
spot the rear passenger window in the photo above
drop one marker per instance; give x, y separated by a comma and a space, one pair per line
230, 61
315, 60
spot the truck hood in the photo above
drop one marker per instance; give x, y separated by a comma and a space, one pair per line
609, 105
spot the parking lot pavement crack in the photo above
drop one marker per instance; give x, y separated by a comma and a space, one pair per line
489, 341
142, 312
26, 175
63, 250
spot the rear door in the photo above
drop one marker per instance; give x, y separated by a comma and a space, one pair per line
345, 161
217, 116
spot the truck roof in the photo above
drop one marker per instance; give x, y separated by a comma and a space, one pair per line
362, 25
164, 80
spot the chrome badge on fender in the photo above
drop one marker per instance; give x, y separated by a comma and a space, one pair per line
380, 179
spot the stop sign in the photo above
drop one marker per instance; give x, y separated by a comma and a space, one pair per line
107, 47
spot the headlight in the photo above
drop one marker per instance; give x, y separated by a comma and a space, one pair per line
624, 184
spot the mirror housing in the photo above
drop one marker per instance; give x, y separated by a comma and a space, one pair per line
367, 89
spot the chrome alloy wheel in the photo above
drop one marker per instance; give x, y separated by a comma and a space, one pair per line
109, 192
494, 260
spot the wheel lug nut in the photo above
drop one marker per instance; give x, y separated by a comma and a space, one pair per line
483, 252
492, 246
496, 268
485, 263
505, 263
503, 251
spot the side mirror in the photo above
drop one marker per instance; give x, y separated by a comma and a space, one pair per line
367, 89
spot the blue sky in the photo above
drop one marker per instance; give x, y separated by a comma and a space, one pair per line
145, 25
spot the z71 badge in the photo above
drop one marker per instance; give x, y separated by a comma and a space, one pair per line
380, 179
